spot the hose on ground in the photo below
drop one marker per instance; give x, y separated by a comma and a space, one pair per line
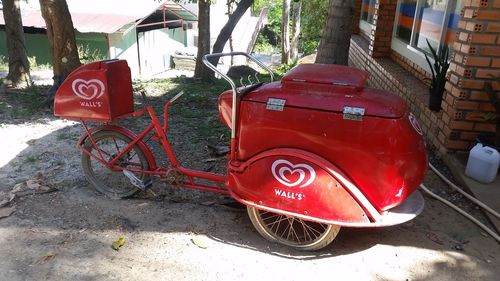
462, 212
479, 203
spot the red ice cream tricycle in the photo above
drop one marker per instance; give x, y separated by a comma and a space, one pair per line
310, 153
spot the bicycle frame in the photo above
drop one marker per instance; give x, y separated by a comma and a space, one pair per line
160, 135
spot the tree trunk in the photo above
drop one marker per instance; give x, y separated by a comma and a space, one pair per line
336, 38
19, 70
61, 35
228, 28
294, 45
200, 70
285, 32
229, 4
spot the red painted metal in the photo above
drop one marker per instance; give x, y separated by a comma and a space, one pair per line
309, 159
384, 155
107, 111
300, 183
99, 91
137, 140
330, 74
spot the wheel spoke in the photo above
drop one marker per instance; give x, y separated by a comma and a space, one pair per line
286, 231
109, 181
314, 231
304, 229
278, 221
116, 145
292, 231
290, 228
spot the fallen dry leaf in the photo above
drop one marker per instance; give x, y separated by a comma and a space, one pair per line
32, 184
45, 258
118, 243
200, 242
208, 203
7, 211
6, 198
218, 150
434, 238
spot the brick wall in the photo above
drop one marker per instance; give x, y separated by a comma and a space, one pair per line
475, 56
411, 67
386, 74
381, 33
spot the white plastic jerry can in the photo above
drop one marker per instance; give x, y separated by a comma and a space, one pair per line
483, 163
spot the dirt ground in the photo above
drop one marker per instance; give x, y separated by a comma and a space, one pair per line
62, 229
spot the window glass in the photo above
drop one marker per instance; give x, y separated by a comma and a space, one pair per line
431, 16
435, 21
368, 10
405, 20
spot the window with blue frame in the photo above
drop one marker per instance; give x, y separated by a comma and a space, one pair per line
433, 20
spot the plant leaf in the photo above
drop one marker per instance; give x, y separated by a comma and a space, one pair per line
430, 66
433, 51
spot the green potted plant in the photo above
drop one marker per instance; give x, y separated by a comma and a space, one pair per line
438, 71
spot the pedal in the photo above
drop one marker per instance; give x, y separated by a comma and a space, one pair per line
135, 181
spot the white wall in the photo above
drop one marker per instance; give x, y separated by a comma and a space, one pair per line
218, 19
156, 47
124, 46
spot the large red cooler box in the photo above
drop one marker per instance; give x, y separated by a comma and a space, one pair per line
99, 91
315, 108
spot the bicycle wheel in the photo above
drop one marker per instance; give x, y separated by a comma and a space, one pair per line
292, 231
113, 183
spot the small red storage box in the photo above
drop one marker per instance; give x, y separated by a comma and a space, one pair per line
98, 91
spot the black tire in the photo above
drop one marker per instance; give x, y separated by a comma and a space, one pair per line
291, 231
113, 183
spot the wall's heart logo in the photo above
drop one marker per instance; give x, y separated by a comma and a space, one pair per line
88, 89
293, 175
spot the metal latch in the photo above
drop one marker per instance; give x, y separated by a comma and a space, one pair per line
275, 104
353, 113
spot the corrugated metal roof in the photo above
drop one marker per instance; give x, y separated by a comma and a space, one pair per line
180, 11
99, 23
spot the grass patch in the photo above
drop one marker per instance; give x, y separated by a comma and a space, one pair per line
64, 136
24, 103
197, 109
31, 159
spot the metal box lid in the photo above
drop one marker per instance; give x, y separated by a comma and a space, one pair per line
99, 91
333, 98
329, 87
327, 74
